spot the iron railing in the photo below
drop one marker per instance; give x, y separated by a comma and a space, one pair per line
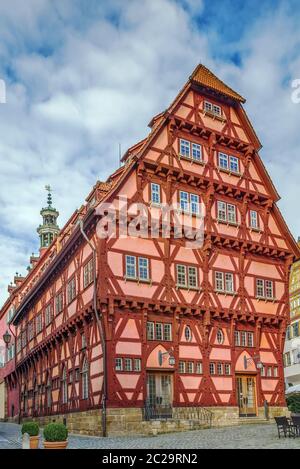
198, 415
157, 411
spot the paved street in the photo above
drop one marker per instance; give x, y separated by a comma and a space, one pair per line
247, 436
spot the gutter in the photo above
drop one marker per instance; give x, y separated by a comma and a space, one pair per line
99, 319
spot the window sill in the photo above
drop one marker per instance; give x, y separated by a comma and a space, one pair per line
186, 212
229, 172
228, 223
184, 287
155, 204
192, 160
255, 230
138, 281
213, 115
224, 292
266, 300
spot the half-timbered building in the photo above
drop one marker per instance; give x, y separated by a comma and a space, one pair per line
122, 330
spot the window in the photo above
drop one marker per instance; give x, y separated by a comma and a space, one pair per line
190, 150
275, 372
212, 368
227, 212
59, 303
220, 368
269, 372
30, 330
188, 334
155, 193
254, 220
181, 367
85, 379
220, 337
190, 367
48, 314
10, 352
227, 369
229, 163
71, 290
83, 341
137, 364
143, 268
88, 273
222, 211
231, 213
127, 364
244, 339
295, 328
64, 386
213, 108
10, 314
19, 344
24, 339
189, 203
199, 368
224, 282
49, 393
39, 323
187, 276
159, 331
265, 289
250, 339
185, 149
119, 364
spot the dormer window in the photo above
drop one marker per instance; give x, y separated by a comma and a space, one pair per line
213, 108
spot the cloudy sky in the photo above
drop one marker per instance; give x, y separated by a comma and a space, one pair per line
84, 75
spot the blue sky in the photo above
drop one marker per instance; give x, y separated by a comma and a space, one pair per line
83, 76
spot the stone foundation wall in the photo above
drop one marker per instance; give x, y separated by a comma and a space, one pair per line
126, 421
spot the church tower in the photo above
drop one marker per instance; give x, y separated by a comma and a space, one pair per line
49, 229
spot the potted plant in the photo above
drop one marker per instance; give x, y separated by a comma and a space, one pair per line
293, 402
55, 436
32, 428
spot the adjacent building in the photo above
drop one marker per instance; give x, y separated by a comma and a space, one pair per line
116, 331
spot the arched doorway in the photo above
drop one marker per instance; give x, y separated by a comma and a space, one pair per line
246, 385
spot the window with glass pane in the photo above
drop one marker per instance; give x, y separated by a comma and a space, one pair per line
185, 149
260, 288
243, 339
155, 193
137, 364
222, 211
250, 339
227, 369
199, 368
184, 201
196, 152
229, 283
295, 329
181, 367
254, 219
167, 332
64, 387
119, 364
190, 367
181, 275
220, 368
158, 331
263, 371
234, 164
143, 268
220, 337
130, 267
208, 106
188, 334
71, 290
48, 314
192, 277
128, 364
194, 204
212, 368
269, 289
217, 110
150, 330
219, 276
223, 161
85, 379
275, 372
88, 273
231, 210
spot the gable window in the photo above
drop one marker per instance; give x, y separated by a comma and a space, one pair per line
137, 268
188, 334
59, 303
155, 193
227, 212
71, 290
187, 276
220, 337
229, 163
254, 220
265, 289
189, 203
88, 273
48, 314
213, 108
224, 282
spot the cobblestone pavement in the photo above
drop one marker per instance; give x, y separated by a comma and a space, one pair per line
246, 436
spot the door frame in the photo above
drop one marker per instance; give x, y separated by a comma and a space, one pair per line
255, 400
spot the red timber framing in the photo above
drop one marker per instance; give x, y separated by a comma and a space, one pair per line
143, 318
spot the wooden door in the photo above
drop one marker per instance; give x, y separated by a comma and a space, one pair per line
246, 395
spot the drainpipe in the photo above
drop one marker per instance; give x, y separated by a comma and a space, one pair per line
101, 332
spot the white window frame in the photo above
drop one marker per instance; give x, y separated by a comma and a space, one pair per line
254, 219
155, 193
185, 145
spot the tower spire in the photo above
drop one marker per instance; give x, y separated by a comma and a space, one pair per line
49, 229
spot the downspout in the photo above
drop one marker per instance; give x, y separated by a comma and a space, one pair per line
101, 332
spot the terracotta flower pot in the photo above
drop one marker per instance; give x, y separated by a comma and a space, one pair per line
55, 444
34, 442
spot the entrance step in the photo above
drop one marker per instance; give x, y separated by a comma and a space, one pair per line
253, 420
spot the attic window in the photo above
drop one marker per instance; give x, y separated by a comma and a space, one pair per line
212, 108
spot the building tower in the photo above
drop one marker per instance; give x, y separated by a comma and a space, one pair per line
49, 229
